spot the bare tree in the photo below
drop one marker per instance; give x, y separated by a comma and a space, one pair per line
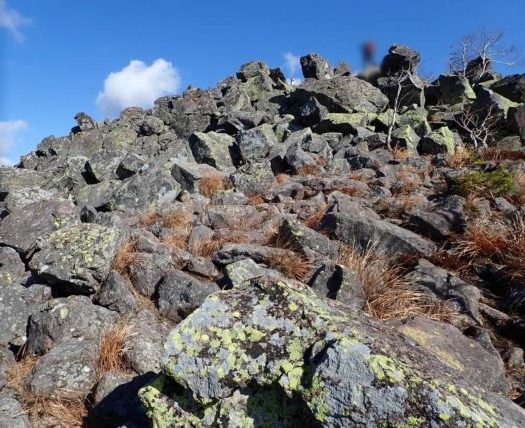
396, 103
479, 125
485, 46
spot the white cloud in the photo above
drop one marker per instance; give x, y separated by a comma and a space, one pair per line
137, 85
8, 131
293, 65
12, 20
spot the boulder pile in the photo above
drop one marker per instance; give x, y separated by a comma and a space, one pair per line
348, 251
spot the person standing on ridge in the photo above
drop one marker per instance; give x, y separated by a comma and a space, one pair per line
369, 52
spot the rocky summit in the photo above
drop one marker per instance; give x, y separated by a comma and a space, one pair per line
344, 251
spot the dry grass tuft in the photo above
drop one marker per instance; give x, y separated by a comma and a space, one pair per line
125, 257
388, 293
282, 179
207, 247
483, 238
256, 200
460, 158
211, 184
492, 154
519, 183
315, 219
356, 192
112, 347
291, 264
149, 219
310, 169
401, 153
44, 411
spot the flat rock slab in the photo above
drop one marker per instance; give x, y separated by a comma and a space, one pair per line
77, 259
387, 238
23, 227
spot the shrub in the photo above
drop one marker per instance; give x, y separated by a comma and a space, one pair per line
498, 182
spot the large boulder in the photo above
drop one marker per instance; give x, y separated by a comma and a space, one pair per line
217, 150
288, 358
24, 227
516, 119
400, 58
256, 143
364, 232
455, 89
77, 259
511, 87
341, 94
316, 67
442, 140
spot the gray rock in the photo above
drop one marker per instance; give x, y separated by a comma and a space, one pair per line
116, 294
387, 237
179, 294
455, 350
217, 150
77, 259
455, 89
511, 87
144, 349
131, 164
18, 199
339, 283
146, 190
342, 94
254, 178
102, 166
444, 285
256, 143
442, 140
400, 58
22, 228
66, 371
16, 304
308, 241
323, 359
7, 359
237, 273
12, 413
13, 179
147, 270
116, 401
316, 67
11, 267
67, 319
312, 112
189, 174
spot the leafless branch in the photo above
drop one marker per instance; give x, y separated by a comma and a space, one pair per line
399, 80
479, 125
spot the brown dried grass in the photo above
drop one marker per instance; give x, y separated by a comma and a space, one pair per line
492, 154
211, 184
401, 153
388, 293
282, 179
459, 159
44, 411
310, 169
112, 347
125, 257
483, 238
291, 264
315, 219
256, 200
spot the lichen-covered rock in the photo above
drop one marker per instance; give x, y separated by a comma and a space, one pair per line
66, 371
17, 302
455, 89
190, 174
23, 227
256, 143
386, 237
342, 94
12, 179
316, 67
442, 140
116, 294
77, 259
254, 178
217, 150
341, 370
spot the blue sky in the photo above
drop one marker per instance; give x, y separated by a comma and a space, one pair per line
57, 56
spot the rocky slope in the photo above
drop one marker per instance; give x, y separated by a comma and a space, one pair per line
337, 253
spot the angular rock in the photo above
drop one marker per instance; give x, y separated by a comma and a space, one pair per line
442, 140
23, 228
342, 94
67, 371
179, 294
400, 58
316, 67
312, 112
386, 237
77, 259
189, 174
308, 241
217, 150
254, 178
256, 143
339, 283
131, 164
289, 340
511, 87
116, 295
67, 319
12, 413
455, 89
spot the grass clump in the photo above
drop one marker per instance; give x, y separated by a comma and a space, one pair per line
112, 347
125, 257
498, 182
388, 293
